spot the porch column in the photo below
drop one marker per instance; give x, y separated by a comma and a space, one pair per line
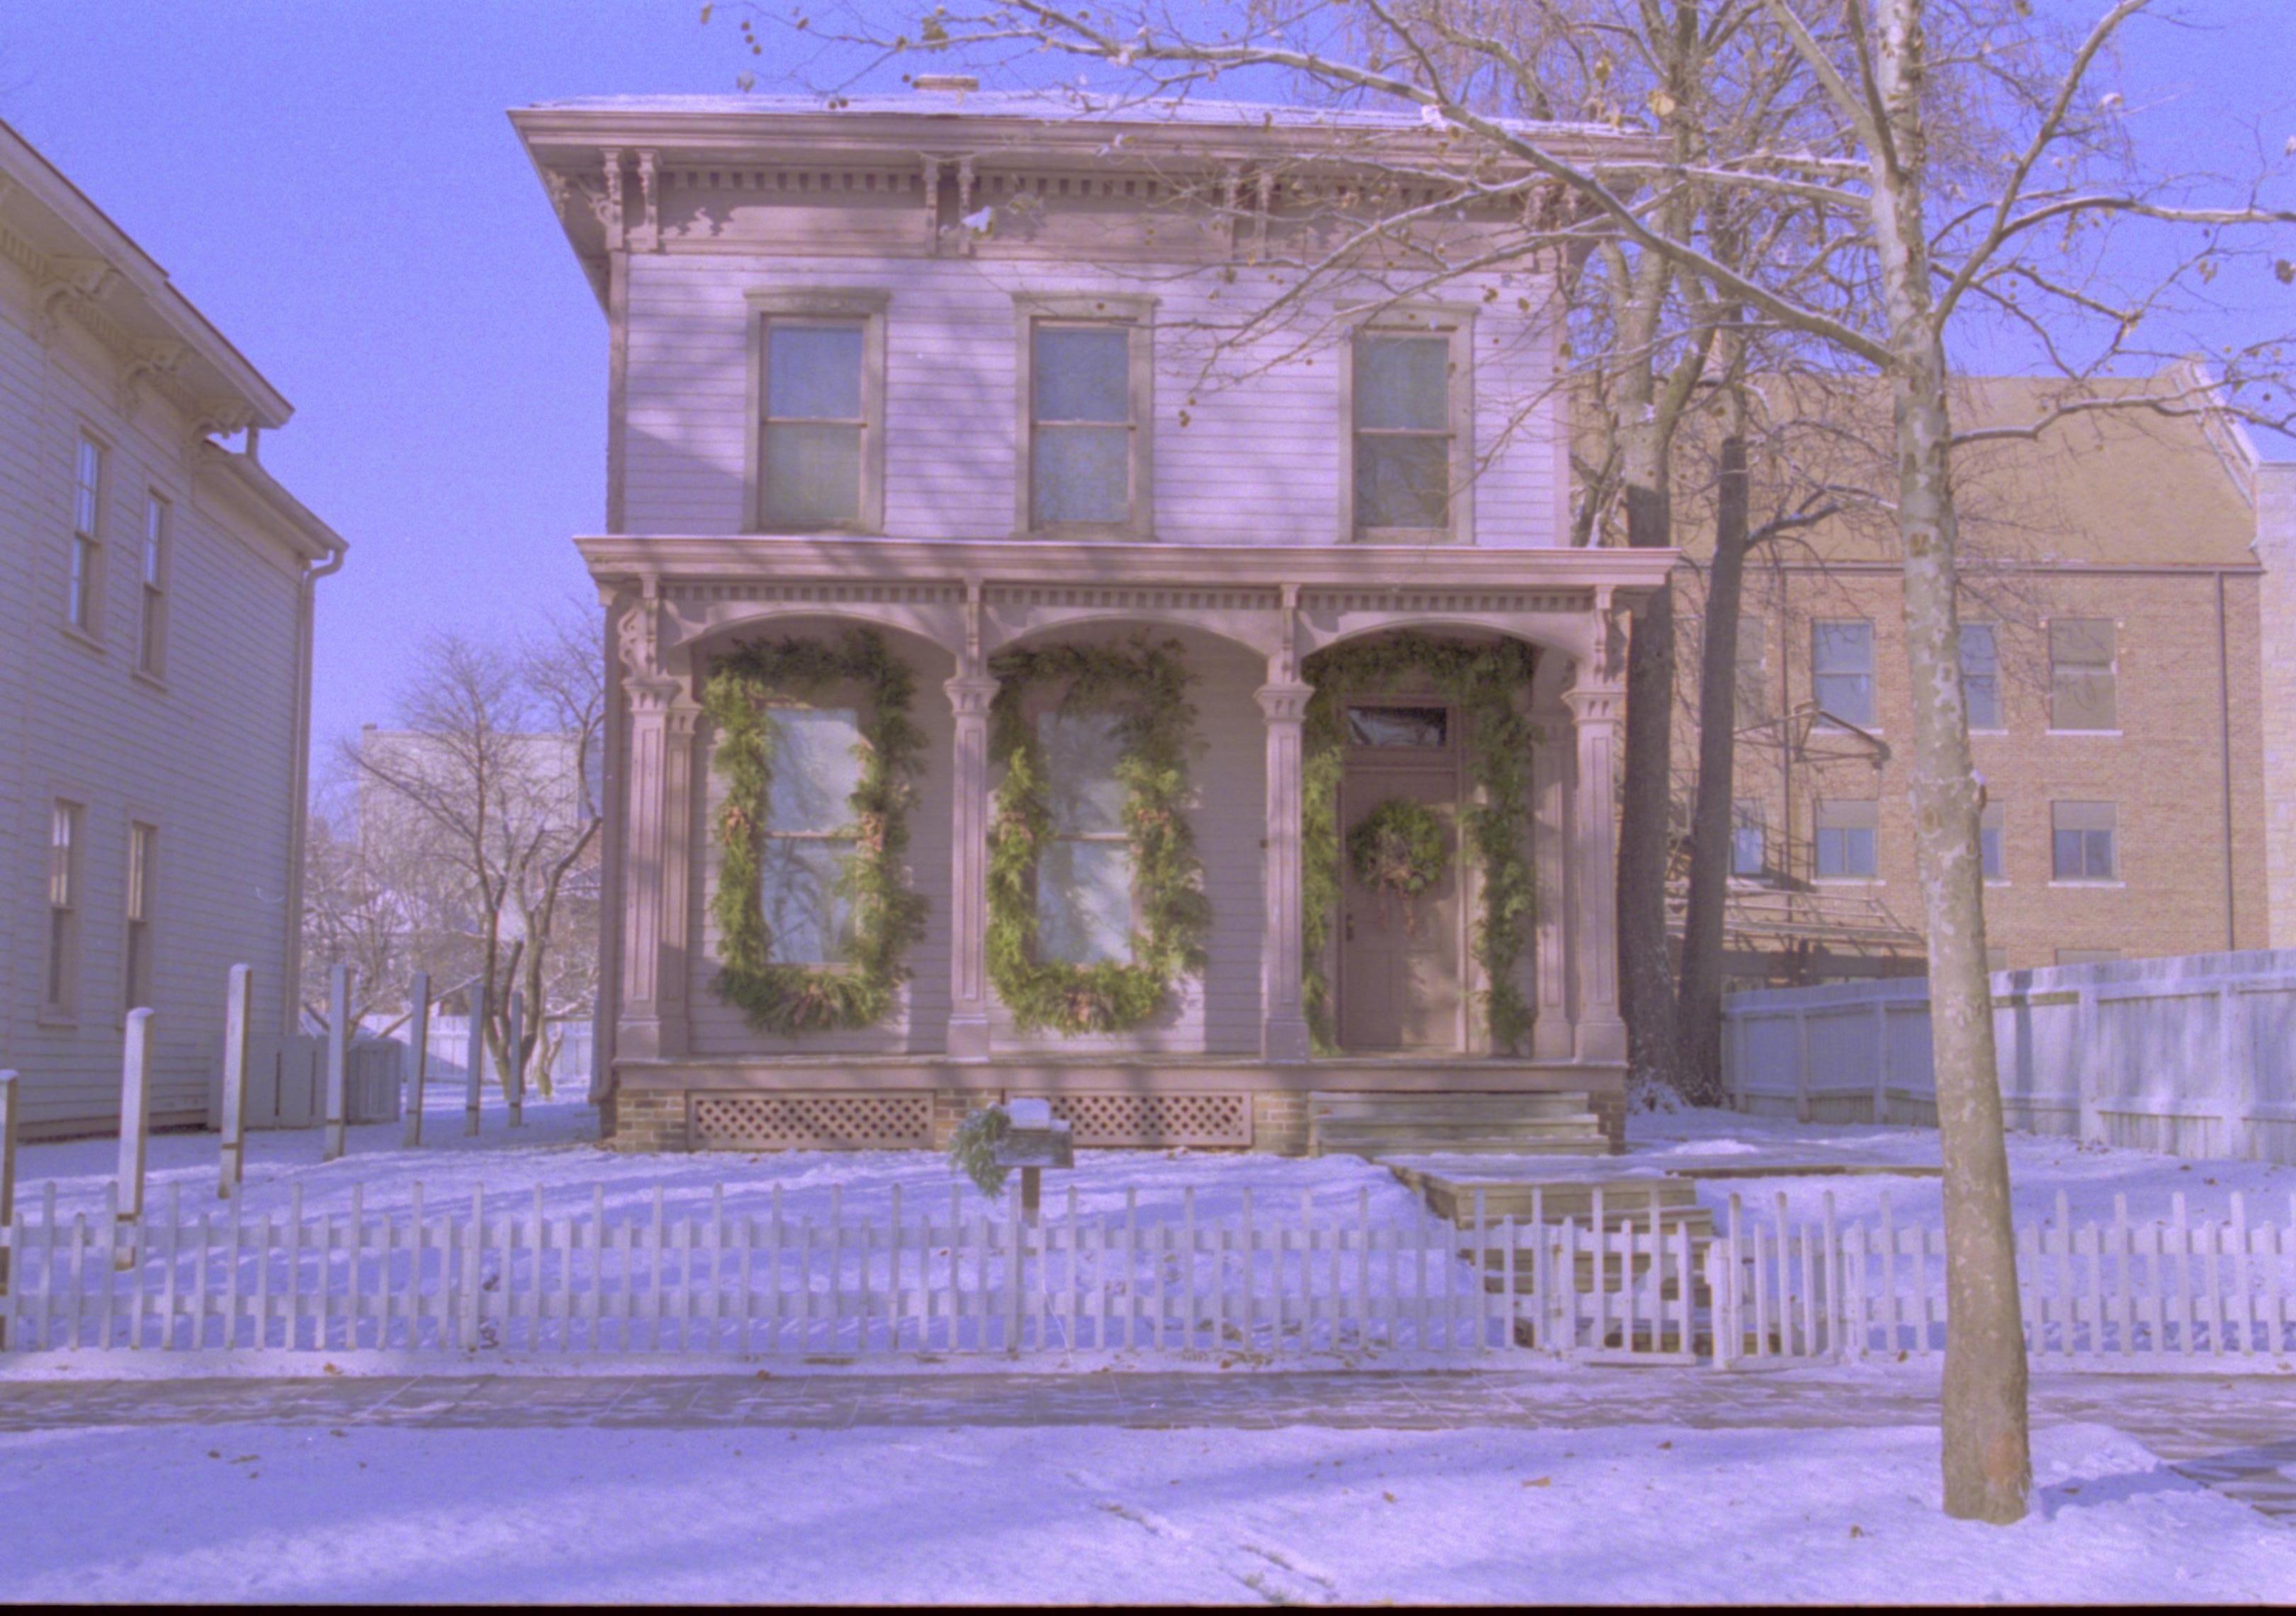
1283, 1024
657, 870
1598, 1034
1551, 1036
968, 870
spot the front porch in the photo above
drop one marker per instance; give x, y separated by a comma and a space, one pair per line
1498, 978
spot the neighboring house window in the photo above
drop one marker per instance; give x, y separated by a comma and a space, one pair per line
86, 580
152, 639
1841, 666
2081, 681
1980, 675
817, 366
1753, 689
808, 834
1084, 876
2087, 956
1410, 417
1749, 849
143, 840
1847, 829
63, 906
1991, 820
1086, 396
2082, 844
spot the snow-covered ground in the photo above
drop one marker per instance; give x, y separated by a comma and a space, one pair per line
1068, 1514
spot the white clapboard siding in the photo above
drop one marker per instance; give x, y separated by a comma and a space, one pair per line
934, 1275
2175, 1294
1257, 462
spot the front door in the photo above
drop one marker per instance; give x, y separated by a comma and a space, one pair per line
1400, 978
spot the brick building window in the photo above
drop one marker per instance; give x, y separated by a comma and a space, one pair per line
85, 586
2082, 694
1980, 675
2087, 956
1991, 820
59, 994
1842, 669
142, 843
1848, 832
2083, 841
1753, 689
1749, 837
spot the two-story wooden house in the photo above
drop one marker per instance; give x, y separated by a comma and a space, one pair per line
155, 667
1061, 641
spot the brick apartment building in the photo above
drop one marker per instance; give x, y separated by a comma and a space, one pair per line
2115, 653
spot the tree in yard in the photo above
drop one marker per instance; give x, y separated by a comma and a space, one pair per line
1970, 164
478, 818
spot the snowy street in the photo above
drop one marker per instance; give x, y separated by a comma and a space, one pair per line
1598, 1487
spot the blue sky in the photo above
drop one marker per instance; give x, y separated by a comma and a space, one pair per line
336, 185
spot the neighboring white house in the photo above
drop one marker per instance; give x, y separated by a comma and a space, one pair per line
155, 660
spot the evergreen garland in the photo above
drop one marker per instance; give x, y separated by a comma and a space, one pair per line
888, 917
1484, 681
1143, 684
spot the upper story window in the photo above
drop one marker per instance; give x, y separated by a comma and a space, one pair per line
86, 583
1842, 670
152, 631
61, 978
1991, 820
1848, 834
1086, 395
2083, 841
817, 364
1753, 686
1749, 837
1409, 414
1980, 675
2082, 694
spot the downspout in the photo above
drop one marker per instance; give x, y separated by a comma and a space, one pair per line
298, 801
2224, 753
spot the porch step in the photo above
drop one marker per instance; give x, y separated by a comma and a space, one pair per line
1453, 1124
1520, 1195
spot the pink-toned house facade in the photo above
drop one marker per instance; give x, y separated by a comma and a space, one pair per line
156, 597
991, 380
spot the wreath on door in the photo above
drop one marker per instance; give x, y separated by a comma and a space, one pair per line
1399, 850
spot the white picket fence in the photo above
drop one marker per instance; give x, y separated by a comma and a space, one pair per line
2174, 1295
493, 1272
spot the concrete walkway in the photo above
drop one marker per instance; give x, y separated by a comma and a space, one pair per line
2236, 1435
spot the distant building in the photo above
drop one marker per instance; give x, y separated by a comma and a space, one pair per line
155, 663
2118, 658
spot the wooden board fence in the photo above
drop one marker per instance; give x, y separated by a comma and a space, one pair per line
2170, 1295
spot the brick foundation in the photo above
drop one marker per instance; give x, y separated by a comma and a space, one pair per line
644, 1122
1279, 1123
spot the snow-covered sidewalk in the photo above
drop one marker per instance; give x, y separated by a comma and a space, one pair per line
1023, 1514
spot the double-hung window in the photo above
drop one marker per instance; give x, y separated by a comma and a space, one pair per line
1848, 835
2082, 842
1753, 686
1842, 669
1749, 837
142, 843
809, 835
1086, 394
83, 588
1084, 876
2082, 692
59, 994
152, 631
1991, 820
1410, 414
817, 366
1980, 675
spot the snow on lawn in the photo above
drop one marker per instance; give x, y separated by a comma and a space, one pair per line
558, 1149
1068, 1514
2040, 1166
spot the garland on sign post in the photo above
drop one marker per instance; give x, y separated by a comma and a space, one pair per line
1143, 685
1485, 681
888, 917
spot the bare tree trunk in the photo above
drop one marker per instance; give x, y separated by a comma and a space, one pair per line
1698, 1020
1987, 1454
1645, 975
